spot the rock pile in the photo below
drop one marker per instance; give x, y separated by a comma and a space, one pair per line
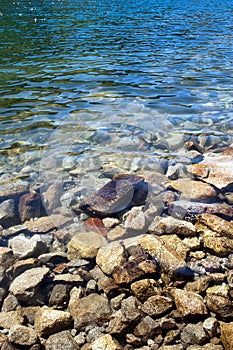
152, 269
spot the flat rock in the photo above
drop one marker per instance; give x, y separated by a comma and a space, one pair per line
227, 335
194, 190
49, 321
110, 256
91, 309
106, 342
26, 284
215, 169
85, 245
189, 304
183, 209
12, 191
170, 225
122, 192
61, 340
22, 335
47, 223
216, 224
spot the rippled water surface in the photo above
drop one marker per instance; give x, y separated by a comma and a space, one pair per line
108, 79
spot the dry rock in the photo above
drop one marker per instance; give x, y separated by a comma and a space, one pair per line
194, 334
61, 341
22, 335
147, 328
106, 342
24, 248
170, 225
189, 304
135, 220
49, 321
85, 245
110, 256
130, 309
6, 257
156, 305
11, 318
227, 335
216, 224
221, 306
210, 325
26, 285
91, 309
145, 288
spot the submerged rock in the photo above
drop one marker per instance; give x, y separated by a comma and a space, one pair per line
30, 206
123, 192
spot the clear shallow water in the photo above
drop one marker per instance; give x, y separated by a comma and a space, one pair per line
97, 79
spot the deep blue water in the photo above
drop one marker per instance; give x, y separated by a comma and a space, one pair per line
152, 64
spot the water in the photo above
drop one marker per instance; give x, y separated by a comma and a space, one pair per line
99, 81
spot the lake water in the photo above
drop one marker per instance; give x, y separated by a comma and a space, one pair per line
107, 84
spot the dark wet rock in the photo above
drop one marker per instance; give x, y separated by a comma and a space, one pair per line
8, 213
189, 304
194, 334
227, 335
47, 223
25, 248
221, 306
123, 192
22, 335
61, 340
183, 209
12, 191
89, 310
215, 169
26, 285
30, 206
156, 305
194, 190
49, 321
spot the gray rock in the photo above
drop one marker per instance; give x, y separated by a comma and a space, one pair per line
26, 285
61, 341
25, 248
147, 328
22, 335
194, 334
8, 213
130, 309
210, 325
170, 225
59, 295
157, 305
10, 303
110, 256
135, 220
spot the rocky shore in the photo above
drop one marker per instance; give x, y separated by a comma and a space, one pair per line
145, 262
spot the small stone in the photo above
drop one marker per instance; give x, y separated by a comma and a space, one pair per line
145, 288
61, 340
85, 245
49, 321
106, 342
116, 233
215, 223
170, 225
21, 266
227, 335
59, 295
220, 246
210, 325
8, 213
22, 335
6, 257
25, 285
147, 328
189, 304
156, 305
10, 303
110, 256
47, 223
194, 334
110, 222
221, 306
51, 197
